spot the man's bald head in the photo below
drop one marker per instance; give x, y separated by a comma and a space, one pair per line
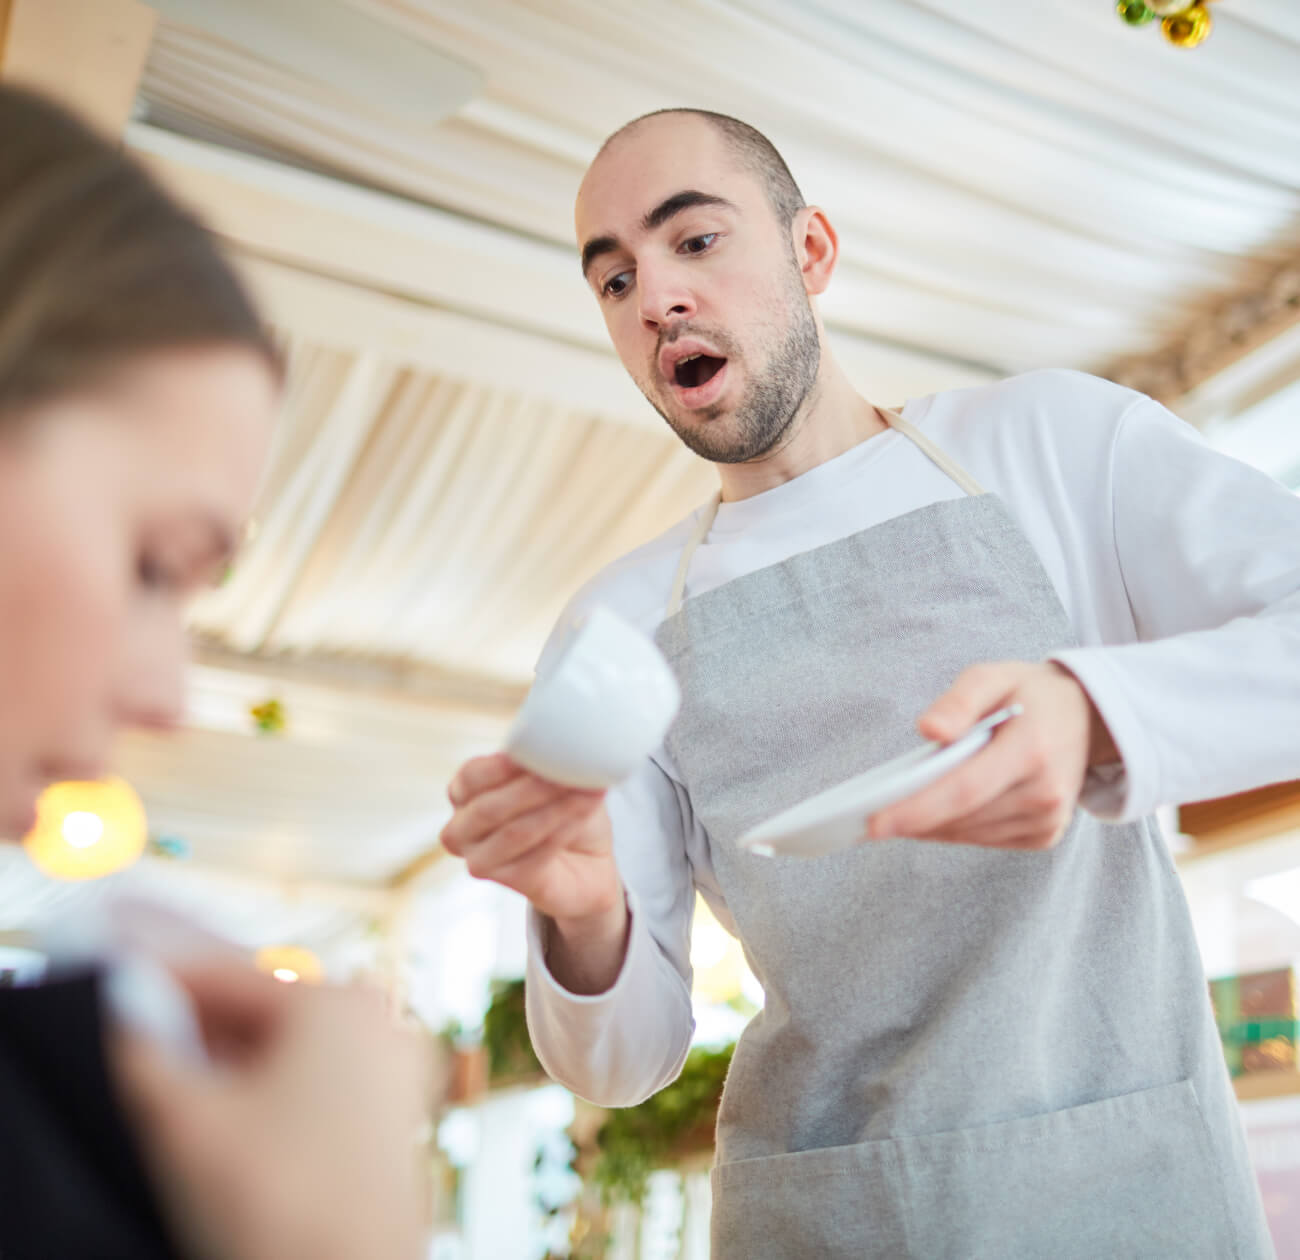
751, 149
689, 225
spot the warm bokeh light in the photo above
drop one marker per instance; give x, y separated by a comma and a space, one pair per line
85, 830
290, 963
716, 959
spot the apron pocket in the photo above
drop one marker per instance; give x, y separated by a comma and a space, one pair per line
836, 1203
1126, 1178
1132, 1176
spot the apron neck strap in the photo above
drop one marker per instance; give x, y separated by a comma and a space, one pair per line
934, 453
709, 512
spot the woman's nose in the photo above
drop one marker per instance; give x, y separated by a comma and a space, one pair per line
151, 693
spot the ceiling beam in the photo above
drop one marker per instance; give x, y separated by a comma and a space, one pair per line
416, 869
406, 682
359, 56
1235, 327
330, 227
1229, 821
306, 888
1261, 375
346, 315
87, 54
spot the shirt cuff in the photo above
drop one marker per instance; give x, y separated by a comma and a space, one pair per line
618, 1047
540, 971
1128, 789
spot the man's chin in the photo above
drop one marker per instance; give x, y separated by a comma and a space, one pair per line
705, 418
695, 430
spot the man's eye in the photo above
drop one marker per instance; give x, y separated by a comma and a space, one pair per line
617, 285
699, 244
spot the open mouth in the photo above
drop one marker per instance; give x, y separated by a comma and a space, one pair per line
697, 369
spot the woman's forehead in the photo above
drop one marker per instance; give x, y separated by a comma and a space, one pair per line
198, 421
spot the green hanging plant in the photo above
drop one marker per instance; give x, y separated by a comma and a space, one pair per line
675, 1124
510, 1054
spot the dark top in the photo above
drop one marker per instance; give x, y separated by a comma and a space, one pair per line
72, 1186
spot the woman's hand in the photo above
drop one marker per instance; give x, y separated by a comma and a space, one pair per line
299, 1141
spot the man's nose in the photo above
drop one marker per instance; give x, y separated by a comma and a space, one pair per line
664, 296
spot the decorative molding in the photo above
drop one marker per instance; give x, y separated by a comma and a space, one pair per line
1217, 339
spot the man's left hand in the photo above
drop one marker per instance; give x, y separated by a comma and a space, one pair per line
1021, 790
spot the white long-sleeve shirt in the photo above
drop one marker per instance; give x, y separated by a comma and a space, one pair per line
1179, 570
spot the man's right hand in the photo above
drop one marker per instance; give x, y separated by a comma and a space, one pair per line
554, 845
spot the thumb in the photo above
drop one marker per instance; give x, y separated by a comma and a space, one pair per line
977, 692
239, 1009
172, 1102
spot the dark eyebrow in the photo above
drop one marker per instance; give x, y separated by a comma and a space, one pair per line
594, 248
679, 202
655, 218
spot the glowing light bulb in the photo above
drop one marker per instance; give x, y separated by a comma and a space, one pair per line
82, 829
290, 964
87, 829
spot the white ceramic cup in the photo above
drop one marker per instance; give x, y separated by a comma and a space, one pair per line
601, 708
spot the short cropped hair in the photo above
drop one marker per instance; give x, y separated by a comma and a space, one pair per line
752, 149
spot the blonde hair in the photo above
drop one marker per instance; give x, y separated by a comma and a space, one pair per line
97, 262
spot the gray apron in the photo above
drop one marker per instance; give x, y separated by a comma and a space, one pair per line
964, 1052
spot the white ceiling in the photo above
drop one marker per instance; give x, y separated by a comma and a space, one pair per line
1015, 185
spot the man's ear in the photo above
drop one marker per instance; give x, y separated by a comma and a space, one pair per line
816, 246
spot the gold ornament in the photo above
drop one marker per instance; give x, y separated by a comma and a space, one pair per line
1186, 30
269, 716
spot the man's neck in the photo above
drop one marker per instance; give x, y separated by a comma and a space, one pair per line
835, 418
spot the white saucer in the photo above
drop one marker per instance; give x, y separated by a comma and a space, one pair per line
837, 818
